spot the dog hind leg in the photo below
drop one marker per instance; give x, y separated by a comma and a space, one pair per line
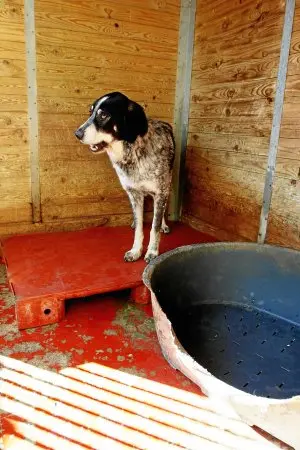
164, 227
160, 202
137, 202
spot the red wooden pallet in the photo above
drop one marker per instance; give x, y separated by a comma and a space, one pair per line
45, 269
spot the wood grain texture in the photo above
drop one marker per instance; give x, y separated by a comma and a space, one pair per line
91, 41
235, 62
85, 49
116, 21
7, 229
104, 60
15, 197
224, 197
164, 16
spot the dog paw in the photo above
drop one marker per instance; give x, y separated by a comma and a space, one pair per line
150, 255
165, 229
132, 255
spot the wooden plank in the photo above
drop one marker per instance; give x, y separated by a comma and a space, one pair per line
226, 198
99, 189
16, 213
12, 33
14, 171
13, 103
243, 22
87, 41
81, 105
71, 151
169, 6
290, 128
252, 146
94, 173
15, 136
12, 68
295, 44
207, 228
291, 108
228, 69
115, 11
238, 90
7, 229
287, 168
61, 55
294, 63
199, 160
21, 176
86, 209
285, 212
89, 92
7, 49
15, 192
218, 10
251, 50
289, 148
69, 77
75, 19
12, 12
12, 86
13, 153
243, 125
13, 121
74, 153
260, 109
283, 230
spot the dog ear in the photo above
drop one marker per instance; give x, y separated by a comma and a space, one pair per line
136, 123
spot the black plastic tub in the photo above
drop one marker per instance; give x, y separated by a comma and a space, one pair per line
234, 310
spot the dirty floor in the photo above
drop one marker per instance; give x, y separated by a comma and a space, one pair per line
107, 330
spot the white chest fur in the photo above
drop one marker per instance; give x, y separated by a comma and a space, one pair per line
138, 179
115, 151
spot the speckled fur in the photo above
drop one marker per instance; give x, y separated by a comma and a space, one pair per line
143, 164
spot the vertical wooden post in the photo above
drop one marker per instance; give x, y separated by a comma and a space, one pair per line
278, 107
182, 102
32, 109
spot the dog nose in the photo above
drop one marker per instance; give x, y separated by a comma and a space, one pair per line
79, 133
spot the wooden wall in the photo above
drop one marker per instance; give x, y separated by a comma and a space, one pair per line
15, 193
235, 62
83, 50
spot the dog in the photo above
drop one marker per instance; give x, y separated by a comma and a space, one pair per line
142, 152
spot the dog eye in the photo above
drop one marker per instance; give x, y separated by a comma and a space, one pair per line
102, 114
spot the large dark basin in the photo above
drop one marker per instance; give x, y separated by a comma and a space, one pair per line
235, 308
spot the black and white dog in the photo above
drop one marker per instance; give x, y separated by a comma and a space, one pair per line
142, 152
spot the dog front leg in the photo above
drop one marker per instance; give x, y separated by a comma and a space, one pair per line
137, 203
160, 202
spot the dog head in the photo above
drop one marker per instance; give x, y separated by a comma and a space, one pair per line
112, 117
